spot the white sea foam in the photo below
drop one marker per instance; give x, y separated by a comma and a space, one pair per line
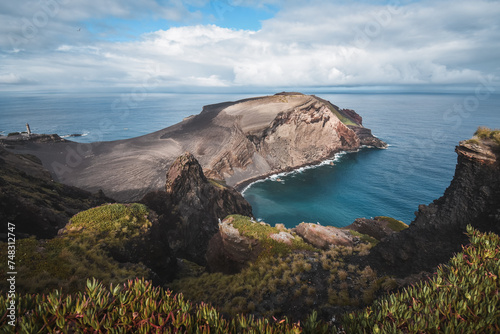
279, 177
76, 135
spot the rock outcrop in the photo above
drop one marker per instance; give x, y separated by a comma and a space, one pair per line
129, 234
191, 206
242, 240
437, 232
324, 237
234, 142
366, 138
33, 202
229, 251
378, 228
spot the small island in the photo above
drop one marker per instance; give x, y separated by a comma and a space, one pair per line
235, 143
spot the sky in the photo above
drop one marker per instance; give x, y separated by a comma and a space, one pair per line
230, 45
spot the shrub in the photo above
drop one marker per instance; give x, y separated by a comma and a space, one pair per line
393, 224
262, 232
67, 261
487, 133
462, 297
134, 307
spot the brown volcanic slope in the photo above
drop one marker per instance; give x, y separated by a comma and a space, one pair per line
233, 141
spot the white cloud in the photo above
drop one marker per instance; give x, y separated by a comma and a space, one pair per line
321, 44
12, 79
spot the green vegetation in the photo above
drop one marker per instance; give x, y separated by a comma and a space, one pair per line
461, 298
135, 307
113, 224
221, 184
343, 119
393, 224
365, 238
82, 251
486, 133
278, 284
263, 232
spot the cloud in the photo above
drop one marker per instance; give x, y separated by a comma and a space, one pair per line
322, 43
13, 79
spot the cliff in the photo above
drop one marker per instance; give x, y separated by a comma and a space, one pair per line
191, 207
234, 142
438, 230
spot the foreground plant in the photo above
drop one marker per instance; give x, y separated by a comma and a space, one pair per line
463, 297
135, 307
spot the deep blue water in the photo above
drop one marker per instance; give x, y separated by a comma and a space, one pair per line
421, 129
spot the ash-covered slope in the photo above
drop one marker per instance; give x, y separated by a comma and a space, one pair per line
233, 141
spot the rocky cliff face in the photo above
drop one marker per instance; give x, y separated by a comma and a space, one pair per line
283, 132
233, 141
191, 206
324, 237
437, 232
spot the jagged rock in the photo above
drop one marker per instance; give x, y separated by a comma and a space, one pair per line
280, 227
190, 207
283, 237
366, 137
24, 138
324, 237
229, 251
349, 113
235, 142
437, 232
34, 203
378, 228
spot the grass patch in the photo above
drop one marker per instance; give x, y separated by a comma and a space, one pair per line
365, 238
113, 224
393, 224
487, 133
129, 219
343, 119
263, 232
218, 183
81, 251
473, 141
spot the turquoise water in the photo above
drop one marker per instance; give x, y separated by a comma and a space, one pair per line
421, 129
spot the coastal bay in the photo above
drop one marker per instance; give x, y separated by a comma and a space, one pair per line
415, 169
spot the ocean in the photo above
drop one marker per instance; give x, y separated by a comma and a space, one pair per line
422, 131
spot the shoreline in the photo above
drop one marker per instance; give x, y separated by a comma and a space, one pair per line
242, 186
127, 169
